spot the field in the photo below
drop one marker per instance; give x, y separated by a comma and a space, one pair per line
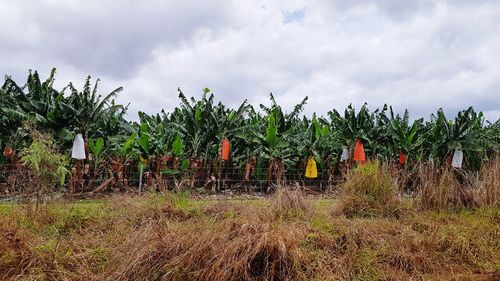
395, 197
173, 236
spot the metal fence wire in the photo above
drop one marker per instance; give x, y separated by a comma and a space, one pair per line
16, 177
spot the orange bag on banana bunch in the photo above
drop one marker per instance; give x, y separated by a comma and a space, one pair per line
359, 152
226, 147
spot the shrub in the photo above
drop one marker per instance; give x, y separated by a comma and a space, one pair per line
47, 167
288, 202
369, 191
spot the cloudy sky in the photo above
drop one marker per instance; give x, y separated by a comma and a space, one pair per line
419, 55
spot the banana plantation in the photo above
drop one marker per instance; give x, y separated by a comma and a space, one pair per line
208, 146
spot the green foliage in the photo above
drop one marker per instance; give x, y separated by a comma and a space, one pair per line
271, 131
42, 158
96, 146
274, 140
177, 146
62, 115
184, 164
144, 139
407, 138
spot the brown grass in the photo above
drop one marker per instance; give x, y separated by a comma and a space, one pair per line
487, 187
440, 190
453, 189
14, 249
174, 238
288, 202
229, 251
369, 191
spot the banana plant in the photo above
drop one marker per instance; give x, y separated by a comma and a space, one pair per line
36, 101
231, 124
315, 139
89, 110
9, 123
96, 147
492, 138
407, 139
466, 132
177, 150
273, 141
155, 135
193, 120
353, 126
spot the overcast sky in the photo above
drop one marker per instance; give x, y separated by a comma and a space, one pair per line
419, 55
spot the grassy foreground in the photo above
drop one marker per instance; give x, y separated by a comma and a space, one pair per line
172, 237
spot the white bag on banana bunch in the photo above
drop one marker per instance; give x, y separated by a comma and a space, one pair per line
458, 157
78, 151
345, 154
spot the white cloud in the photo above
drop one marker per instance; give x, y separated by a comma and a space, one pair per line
420, 55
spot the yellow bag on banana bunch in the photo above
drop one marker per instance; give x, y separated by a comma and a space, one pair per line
311, 170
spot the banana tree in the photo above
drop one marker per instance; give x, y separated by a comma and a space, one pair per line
273, 136
407, 139
492, 138
352, 127
123, 151
466, 133
36, 101
154, 140
193, 120
89, 110
316, 140
230, 126
8, 123
96, 148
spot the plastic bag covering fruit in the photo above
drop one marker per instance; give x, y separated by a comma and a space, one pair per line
359, 152
78, 151
226, 147
402, 158
345, 154
458, 157
311, 169
7, 152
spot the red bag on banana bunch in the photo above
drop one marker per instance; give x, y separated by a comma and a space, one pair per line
359, 152
226, 148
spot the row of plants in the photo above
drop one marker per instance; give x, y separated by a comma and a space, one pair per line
266, 144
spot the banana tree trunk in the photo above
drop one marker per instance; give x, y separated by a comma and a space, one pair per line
274, 172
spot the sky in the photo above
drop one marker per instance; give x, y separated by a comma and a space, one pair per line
419, 55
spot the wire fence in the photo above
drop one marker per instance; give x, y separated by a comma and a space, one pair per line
16, 176
130, 176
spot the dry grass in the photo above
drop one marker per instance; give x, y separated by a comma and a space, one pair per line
288, 202
14, 249
229, 251
369, 191
442, 189
171, 237
487, 187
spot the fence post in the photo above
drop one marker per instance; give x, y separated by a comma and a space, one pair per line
140, 178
